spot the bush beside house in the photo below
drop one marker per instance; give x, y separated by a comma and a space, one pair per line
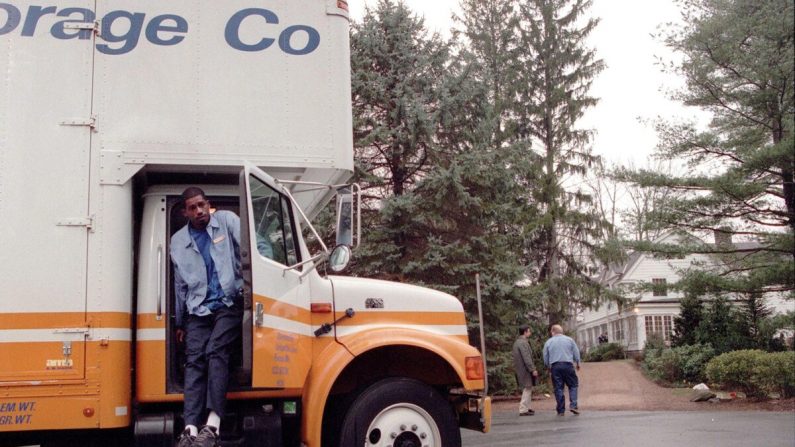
684, 364
756, 372
605, 352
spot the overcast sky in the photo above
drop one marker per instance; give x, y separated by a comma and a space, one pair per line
631, 88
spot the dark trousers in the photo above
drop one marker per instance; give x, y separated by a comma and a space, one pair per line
563, 373
209, 343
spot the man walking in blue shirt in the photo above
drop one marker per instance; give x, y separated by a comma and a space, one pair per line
561, 354
207, 283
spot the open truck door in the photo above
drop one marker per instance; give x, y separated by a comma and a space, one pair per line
277, 320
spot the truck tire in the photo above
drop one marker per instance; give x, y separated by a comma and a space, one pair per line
400, 412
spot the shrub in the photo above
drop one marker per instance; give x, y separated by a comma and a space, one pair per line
605, 352
756, 372
775, 373
682, 364
655, 344
693, 360
663, 366
733, 369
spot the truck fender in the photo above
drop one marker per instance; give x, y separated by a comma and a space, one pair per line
332, 361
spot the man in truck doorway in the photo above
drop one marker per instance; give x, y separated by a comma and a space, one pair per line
207, 283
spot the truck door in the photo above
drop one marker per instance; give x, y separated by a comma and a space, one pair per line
45, 127
280, 331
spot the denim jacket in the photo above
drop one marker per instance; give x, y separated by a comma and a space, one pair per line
190, 276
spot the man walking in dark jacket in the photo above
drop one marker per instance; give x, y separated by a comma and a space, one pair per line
525, 370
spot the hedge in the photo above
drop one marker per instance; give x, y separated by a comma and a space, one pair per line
605, 352
681, 364
756, 372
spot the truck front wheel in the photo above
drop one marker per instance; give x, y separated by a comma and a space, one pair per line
400, 412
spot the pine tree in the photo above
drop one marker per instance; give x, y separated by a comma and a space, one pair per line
723, 328
480, 188
557, 72
755, 311
738, 58
686, 324
488, 41
397, 70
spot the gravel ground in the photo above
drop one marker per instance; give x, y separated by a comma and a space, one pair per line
620, 385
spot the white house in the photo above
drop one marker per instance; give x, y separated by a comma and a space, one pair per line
650, 311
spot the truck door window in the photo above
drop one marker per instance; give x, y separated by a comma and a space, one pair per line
272, 223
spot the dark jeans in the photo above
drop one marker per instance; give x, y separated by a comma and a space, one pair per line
563, 374
209, 343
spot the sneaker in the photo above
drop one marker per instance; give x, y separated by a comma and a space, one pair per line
208, 437
186, 439
527, 413
574, 410
561, 414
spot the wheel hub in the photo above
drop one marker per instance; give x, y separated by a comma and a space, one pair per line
403, 425
407, 439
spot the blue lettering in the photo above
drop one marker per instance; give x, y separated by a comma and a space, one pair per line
59, 31
156, 26
8, 407
312, 43
6, 420
13, 17
130, 38
34, 14
232, 32
121, 31
27, 406
23, 419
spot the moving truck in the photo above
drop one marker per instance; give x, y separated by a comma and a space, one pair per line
108, 110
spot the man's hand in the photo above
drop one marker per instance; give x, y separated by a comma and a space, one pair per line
181, 337
578, 367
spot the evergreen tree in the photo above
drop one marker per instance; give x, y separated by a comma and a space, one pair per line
755, 311
397, 73
480, 189
723, 328
739, 64
556, 73
453, 216
686, 324
488, 44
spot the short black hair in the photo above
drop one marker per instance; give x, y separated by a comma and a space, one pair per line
191, 192
523, 329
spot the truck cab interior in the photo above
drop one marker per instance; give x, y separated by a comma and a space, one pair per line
175, 350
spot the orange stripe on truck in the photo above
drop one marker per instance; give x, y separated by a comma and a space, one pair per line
284, 310
55, 320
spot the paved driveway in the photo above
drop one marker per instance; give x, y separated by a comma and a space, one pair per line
639, 428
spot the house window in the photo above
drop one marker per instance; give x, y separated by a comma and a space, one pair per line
659, 324
632, 329
618, 330
659, 287
668, 327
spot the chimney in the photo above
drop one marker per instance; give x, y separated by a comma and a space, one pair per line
723, 236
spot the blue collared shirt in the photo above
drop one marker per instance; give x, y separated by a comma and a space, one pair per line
561, 348
190, 274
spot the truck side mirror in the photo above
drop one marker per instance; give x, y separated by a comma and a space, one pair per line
345, 217
339, 258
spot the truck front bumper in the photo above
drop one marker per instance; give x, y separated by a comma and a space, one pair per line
475, 414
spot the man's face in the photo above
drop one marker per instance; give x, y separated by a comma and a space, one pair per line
197, 210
